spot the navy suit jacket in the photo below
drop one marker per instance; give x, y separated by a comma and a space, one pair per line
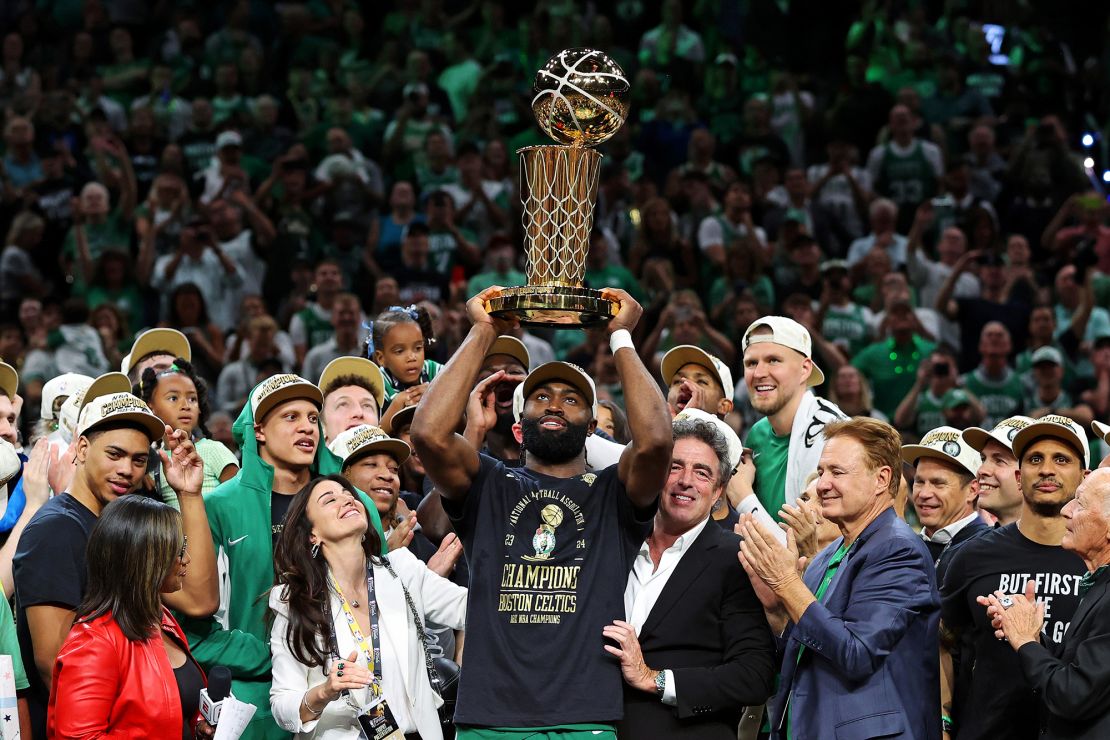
870, 667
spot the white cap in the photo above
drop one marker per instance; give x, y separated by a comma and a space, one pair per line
788, 333
946, 445
10, 464
685, 354
1003, 433
228, 138
1054, 425
61, 386
735, 447
1102, 430
9, 380
280, 388
365, 439
109, 399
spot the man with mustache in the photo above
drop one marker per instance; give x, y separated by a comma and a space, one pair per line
1053, 457
696, 379
550, 545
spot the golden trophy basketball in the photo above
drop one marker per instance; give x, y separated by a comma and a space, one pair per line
581, 100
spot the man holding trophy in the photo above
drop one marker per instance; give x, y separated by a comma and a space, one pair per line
550, 544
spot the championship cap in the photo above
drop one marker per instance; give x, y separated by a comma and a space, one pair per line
1102, 430
1003, 433
513, 347
944, 444
360, 367
281, 388
788, 333
10, 464
108, 399
735, 447
561, 371
358, 442
401, 419
9, 380
1057, 426
684, 354
61, 386
168, 341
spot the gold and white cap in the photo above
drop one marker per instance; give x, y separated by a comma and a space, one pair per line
685, 354
788, 333
1003, 433
1054, 425
280, 388
944, 444
169, 341
109, 400
365, 439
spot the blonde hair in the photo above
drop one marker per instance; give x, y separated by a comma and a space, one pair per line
882, 445
864, 389
24, 221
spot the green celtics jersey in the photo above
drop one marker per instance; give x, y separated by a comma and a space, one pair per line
930, 413
1001, 398
769, 453
891, 370
846, 327
907, 180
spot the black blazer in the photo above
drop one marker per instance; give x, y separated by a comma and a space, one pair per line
1074, 687
708, 628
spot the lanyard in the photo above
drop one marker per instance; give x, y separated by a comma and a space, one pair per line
371, 650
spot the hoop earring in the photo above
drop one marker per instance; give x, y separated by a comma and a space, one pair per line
315, 550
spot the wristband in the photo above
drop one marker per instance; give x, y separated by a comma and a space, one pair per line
619, 339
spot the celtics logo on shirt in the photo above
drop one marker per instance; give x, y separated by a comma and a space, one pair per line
544, 550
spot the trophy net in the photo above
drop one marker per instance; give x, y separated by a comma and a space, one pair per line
557, 189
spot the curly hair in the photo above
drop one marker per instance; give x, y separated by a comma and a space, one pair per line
147, 384
394, 315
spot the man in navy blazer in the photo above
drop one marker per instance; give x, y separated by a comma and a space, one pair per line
858, 633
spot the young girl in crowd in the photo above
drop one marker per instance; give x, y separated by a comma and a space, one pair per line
398, 338
180, 398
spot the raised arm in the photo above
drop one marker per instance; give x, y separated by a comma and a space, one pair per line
647, 458
449, 459
945, 305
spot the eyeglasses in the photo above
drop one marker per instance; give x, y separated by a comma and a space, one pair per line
184, 547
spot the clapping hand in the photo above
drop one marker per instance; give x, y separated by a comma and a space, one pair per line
1017, 618
448, 554
403, 531
182, 465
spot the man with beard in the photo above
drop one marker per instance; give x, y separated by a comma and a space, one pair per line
1053, 457
786, 444
696, 379
550, 544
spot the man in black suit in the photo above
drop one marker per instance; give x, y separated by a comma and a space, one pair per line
1073, 684
693, 616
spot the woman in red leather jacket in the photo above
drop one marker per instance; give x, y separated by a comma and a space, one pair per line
125, 669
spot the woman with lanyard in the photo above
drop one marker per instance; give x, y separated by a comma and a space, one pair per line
347, 638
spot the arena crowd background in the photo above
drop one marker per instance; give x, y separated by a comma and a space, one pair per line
235, 169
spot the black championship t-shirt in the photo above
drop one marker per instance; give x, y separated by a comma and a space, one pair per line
1000, 703
279, 504
549, 558
49, 569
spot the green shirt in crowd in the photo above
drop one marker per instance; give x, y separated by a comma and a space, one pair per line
1001, 398
892, 370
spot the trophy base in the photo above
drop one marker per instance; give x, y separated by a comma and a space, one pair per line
554, 306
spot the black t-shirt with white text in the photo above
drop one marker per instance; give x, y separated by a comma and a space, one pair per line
549, 558
1000, 702
279, 504
49, 570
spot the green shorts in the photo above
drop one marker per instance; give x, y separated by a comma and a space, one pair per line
555, 732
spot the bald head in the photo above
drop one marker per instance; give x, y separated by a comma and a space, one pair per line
1087, 520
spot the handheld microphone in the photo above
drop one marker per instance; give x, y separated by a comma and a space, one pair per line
212, 698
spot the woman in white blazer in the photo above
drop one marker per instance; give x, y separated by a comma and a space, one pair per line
327, 559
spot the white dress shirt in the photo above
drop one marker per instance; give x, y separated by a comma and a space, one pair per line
646, 582
944, 535
405, 682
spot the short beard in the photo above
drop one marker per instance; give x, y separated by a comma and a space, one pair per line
1046, 510
553, 447
504, 424
774, 408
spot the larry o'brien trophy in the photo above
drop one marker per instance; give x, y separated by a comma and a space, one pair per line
581, 100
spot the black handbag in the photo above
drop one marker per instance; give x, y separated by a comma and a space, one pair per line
443, 673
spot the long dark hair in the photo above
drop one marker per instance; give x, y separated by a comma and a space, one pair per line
135, 543
188, 289
306, 578
147, 384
